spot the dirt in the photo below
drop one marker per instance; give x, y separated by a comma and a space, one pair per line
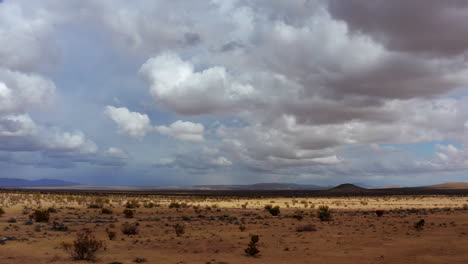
213, 229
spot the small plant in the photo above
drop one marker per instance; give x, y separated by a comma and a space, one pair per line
252, 249
324, 213
306, 228
106, 211
40, 215
95, 206
129, 213
465, 207
175, 205
273, 210
56, 226
179, 229
52, 210
242, 228
299, 215
85, 247
111, 235
379, 213
11, 220
132, 204
419, 225
129, 229
2, 212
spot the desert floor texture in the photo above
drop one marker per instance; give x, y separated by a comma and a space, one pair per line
218, 229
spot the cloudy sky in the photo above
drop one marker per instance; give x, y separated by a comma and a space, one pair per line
150, 92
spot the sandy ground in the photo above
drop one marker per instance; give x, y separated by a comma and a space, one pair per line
356, 234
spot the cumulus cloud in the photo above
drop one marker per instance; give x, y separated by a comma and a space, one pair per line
138, 125
116, 153
305, 80
20, 92
177, 86
132, 123
183, 130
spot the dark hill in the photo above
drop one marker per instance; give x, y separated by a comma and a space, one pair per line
348, 188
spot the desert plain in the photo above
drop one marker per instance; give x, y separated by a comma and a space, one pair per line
217, 228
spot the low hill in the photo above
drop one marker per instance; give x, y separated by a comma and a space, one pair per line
348, 188
15, 182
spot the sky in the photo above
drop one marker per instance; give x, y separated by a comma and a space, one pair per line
151, 92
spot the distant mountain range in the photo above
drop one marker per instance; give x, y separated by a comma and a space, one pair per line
15, 182
343, 188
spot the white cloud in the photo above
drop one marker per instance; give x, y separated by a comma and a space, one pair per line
20, 92
131, 123
176, 85
118, 153
183, 130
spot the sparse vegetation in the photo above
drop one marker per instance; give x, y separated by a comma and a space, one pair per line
128, 213
41, 215
252, 249
419, 225
179, 229
306, 228
324, 213
85, 246
107, 211
273, 210
129, 229
379, 213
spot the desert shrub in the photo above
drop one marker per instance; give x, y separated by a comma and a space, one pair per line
242, 228
252, 249
132, 204
85, 246
465, 207
273, 210
175, 205
106, 211
11, 220
179, 229
111, 235
2, 212
128, 213
306, 228
149, 205
299, 215
52, 210
40, 215
419, 225
95, 206
324, 213
379, 213
56, 226
129, 229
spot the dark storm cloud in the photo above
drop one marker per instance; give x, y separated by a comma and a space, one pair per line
421, 26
